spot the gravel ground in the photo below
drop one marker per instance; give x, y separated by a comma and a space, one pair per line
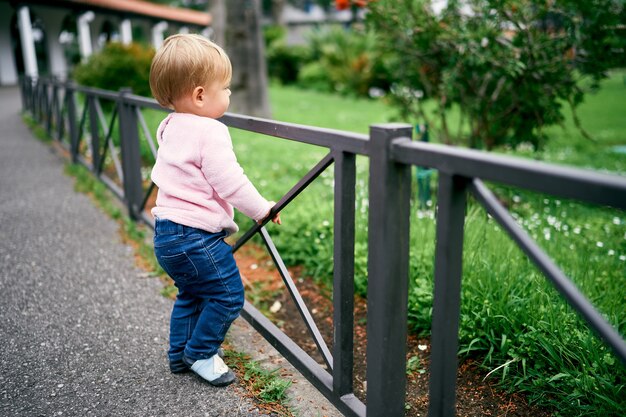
82, 331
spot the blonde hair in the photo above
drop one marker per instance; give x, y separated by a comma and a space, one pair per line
184, 62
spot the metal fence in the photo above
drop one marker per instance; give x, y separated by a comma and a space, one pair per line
391, 156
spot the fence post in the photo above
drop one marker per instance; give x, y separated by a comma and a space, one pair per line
54, 107
45, 105
40, 100
70, 97
343, 273
387, 291
49, 103
95, 134
451, 202
36, 101
23, 92
131, 156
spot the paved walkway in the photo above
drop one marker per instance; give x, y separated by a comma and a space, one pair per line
82, 332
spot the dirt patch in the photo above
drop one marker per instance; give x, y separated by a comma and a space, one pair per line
476, 395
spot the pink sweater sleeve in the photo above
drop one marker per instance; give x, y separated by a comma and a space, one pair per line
222, 171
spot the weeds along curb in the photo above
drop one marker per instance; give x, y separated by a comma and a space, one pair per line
266, 387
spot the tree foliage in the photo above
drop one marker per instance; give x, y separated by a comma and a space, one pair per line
509, 65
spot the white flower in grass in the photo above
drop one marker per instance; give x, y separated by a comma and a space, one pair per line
577, 230
276, 306
547, 236
616, 220
622, 257
600, 244
611, 252
516, 199
422, 347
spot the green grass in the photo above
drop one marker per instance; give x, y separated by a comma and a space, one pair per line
511, 317
39, 132
268, 386
601, 115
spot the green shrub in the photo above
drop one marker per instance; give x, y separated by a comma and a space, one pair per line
344, 61
510, 66
284, 61
313, 76
117, 66
273, 33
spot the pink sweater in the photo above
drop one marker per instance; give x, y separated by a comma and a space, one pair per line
199, 178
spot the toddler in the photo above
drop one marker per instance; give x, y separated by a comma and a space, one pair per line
199, 182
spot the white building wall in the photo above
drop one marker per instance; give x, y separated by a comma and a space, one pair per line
85, 34
27, 41
126, 31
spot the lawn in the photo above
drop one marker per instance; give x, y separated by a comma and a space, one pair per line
511, 317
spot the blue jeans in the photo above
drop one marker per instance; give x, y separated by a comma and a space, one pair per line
210, 291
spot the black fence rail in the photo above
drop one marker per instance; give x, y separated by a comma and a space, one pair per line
91, 140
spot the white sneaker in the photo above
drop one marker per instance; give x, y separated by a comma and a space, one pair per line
213, 370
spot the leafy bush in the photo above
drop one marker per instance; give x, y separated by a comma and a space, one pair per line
284, 61
509, 65
343, 61
117, 66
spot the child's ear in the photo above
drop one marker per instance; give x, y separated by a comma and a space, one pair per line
198, 96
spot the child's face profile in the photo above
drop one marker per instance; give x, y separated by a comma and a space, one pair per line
210, 100
216, 100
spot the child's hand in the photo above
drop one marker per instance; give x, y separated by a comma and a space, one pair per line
275, 219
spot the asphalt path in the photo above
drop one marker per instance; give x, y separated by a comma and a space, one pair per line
83, 332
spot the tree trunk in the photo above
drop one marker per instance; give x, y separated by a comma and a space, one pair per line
277, 12
243, 41
217, 9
